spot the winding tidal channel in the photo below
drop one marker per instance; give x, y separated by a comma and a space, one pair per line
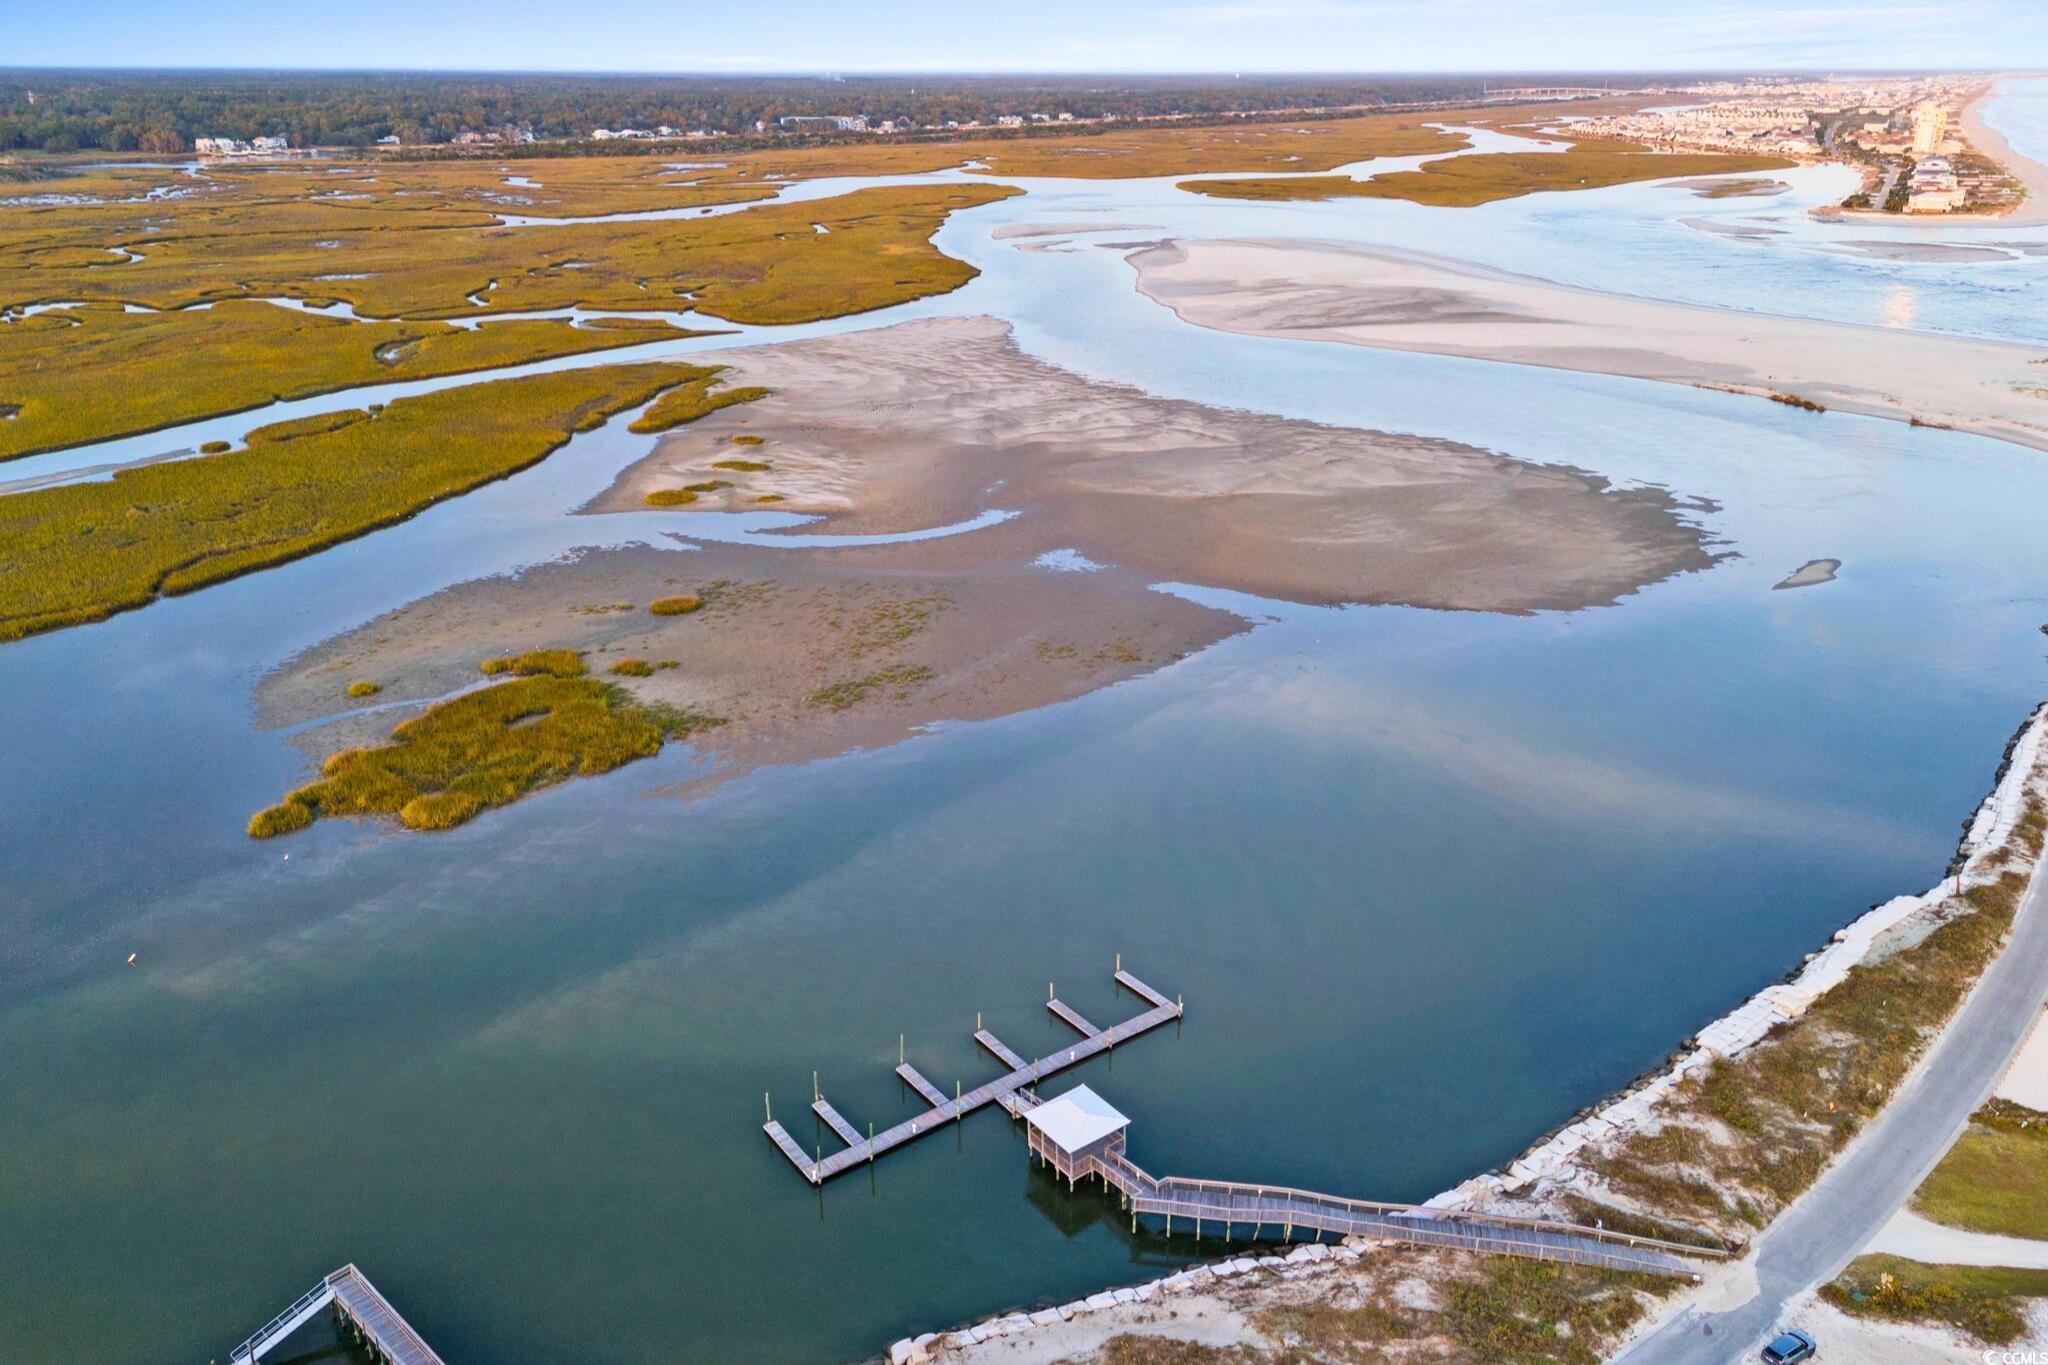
1428, 881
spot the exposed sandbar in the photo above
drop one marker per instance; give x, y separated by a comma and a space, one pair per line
807, 651
803, 654
931, 423
1410, 301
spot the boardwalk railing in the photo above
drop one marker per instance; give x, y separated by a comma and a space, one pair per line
1279, 1207
284, 1324
359, 1303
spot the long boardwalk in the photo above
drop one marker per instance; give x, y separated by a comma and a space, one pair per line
352, 1295
1219, 1206
1011, 1090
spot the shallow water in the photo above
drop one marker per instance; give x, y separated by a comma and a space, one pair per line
1427, 881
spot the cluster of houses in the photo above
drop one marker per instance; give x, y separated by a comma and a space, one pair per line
1934, 187
234, 146
662, 134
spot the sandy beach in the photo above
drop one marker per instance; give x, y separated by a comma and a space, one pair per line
1410, 301
2033, 210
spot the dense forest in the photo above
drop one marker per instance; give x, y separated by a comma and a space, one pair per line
130, 111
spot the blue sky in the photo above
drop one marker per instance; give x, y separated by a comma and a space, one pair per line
1034, 35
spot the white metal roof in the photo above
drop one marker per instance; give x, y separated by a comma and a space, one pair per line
1076, 1119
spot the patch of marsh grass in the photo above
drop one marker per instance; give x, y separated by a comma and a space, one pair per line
485, 749
80, 552
554, 663
363, 687
675, 606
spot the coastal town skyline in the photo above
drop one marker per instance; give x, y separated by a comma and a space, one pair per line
1222, 36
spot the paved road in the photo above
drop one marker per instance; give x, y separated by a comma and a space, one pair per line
1820, 1233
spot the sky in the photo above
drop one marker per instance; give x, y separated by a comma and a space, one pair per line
812, 36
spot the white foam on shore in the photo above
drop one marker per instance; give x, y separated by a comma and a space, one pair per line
1743, 1027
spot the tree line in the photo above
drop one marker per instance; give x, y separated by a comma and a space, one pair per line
125, 111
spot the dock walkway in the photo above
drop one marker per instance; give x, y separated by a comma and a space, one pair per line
349, 1292
1221, 1205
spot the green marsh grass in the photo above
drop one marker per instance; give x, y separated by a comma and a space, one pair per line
1467, 181
484, 749
742, 466
675, 606
362, 687
554, 663
119, 373
698, 398
80, 552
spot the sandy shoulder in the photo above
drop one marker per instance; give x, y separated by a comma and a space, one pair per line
1410, 301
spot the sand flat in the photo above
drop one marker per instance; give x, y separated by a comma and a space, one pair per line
1411, 301
811, 649
930, 423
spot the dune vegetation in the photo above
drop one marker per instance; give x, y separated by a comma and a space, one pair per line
87, 374
1995, 1178
1988, 1302
483, 749
1466, 181
81, 551
1750, 1135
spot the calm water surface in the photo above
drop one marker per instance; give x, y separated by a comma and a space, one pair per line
1427, 881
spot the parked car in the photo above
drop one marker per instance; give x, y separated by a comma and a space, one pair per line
1788, 1347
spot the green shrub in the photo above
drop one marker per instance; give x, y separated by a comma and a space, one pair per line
364, 688
675, 606
633, 668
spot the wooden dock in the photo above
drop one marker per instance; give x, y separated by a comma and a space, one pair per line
1254, 1212
1013, 1090
361, 1311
